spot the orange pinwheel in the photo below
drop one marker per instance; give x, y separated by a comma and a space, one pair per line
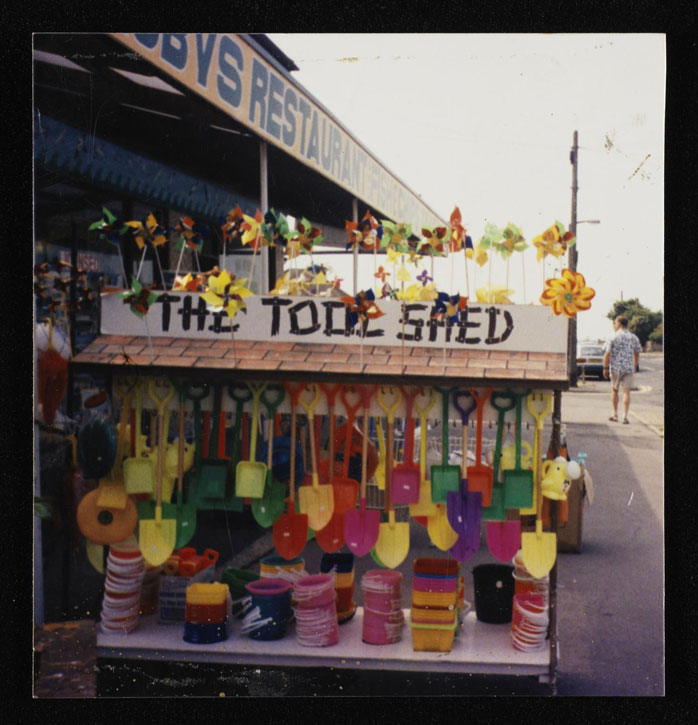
568, 294
457, 238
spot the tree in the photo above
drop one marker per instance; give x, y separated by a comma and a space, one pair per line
641, 320
658, 334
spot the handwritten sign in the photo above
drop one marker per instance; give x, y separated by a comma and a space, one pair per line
230, 73
530, 328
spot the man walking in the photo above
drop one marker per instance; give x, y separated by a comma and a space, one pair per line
622, 351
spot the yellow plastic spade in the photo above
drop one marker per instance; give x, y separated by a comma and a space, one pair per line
425, 506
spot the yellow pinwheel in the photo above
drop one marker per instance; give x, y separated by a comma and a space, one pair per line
393, 255
498, 294
481, 257
252, 227
148, 233
567, 294
226, 292
554, 241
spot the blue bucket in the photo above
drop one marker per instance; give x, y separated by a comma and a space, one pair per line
206, 633
273, 597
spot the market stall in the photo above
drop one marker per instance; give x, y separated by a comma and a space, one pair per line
336, 420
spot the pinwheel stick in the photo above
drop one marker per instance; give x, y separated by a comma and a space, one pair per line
157, 259
523, 276
140, 266
508, 257
179, 264
232, 334
123, 267
465, 264
254, 254
150, 343
198, 266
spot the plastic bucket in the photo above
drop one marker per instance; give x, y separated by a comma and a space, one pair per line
443, 567
342, 561
205, 633
237, 579
494, 592
430, 584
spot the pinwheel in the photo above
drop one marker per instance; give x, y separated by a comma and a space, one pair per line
111, 229
488, 241
396, 236
434, 240
457, 236
417, 292
191, 236
276, 229
424, 278
448, 306
498, 295
188, 282
553, 241
139, 299
362, 307
227, 292
403, 275
393, 255
354, 235
253, 235
381, 274
512, 241
148, 233
232, 227
567, 294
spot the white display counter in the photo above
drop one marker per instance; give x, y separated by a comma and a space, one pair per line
479, 648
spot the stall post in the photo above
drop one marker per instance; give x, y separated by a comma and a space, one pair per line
264, 203
552, 582
355, 218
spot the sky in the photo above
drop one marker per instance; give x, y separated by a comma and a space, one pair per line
485, 122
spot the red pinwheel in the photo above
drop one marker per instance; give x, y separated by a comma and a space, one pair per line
232, 227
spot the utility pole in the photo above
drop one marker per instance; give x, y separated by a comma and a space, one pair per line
572, 265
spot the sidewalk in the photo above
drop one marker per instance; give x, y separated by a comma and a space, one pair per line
611, 596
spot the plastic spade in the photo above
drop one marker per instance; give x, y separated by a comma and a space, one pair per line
480, 476
393, 541
157, 536
250, 476
464, 509
444, 478
266, 510
425, 506
466, 547
316, 501
404, 484
496, 511
362, 526
539, 416
186, 513
290, 530
518, 482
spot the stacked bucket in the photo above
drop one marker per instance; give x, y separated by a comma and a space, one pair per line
122, 587
279, 568
315, 611
150, 589
529, 622
173, 586
342, 565
524, 583
383, 615
435, 594
207, 616
269, 609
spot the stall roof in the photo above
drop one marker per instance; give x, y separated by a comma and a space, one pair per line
139, 99
278, 361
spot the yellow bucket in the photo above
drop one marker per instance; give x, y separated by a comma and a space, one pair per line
207, 593
433, 616
432, 637
443, 600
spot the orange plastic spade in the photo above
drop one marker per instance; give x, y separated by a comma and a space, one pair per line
290, 530
480, 476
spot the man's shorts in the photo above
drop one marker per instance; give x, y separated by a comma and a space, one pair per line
622, 380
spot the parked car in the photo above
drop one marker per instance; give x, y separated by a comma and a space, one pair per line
589, 360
